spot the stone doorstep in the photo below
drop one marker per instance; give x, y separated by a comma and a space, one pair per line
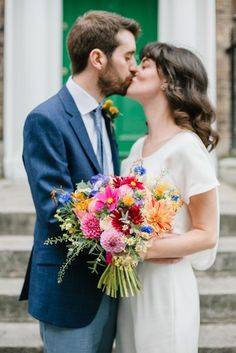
14, 251
24, 243
208, 285
217, 299
12, 223
23, 201
21, 337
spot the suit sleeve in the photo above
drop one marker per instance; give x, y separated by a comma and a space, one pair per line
46, 165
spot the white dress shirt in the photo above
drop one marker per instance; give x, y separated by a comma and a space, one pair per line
86, 104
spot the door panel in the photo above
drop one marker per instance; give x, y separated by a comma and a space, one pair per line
131, 124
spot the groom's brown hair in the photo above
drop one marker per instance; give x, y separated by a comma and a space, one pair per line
96, 29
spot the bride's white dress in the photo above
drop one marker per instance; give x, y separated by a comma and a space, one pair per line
164, 316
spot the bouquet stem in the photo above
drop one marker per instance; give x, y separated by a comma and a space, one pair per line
120, 281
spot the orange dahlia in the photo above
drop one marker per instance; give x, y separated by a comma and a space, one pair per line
159, 215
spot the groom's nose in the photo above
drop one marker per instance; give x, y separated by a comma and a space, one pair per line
133, 66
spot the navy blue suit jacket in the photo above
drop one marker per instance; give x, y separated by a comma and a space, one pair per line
57, 152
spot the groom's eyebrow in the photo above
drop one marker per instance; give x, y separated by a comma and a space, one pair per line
131, 52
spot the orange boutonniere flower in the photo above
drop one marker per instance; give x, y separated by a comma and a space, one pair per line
110, 110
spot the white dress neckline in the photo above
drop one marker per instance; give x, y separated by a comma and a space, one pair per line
164, 144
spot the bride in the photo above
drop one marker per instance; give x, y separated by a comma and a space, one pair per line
171, 84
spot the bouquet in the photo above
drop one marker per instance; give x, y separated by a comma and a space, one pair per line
113, 217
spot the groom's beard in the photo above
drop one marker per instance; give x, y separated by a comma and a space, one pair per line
110, 83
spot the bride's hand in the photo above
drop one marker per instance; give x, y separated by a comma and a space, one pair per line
171, 260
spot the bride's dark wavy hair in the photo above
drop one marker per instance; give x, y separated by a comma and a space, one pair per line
185, 86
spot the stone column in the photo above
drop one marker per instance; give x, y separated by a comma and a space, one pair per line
32, 71
191, 24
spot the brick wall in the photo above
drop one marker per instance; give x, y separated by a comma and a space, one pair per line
225, 9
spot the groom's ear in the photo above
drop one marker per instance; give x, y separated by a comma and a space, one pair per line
97, 59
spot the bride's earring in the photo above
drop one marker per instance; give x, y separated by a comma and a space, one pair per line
164, 86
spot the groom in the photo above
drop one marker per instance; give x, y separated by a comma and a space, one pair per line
62, 146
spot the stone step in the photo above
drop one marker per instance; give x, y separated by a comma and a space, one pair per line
20, 338
11, 309
15, 250
217, 298
25, 338
225, 259
22, 223
14, 255
217, 339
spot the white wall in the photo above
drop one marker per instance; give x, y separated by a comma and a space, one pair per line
32, 69
191, 23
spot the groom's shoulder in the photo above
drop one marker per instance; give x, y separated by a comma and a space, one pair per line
48, 106
51, 109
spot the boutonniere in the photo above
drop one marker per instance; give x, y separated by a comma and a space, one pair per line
111, 111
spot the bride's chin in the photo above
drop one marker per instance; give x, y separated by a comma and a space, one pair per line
132, 94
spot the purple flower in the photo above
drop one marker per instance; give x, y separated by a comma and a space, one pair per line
64, 198
97, 182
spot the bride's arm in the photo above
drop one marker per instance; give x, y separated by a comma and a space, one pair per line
203, 235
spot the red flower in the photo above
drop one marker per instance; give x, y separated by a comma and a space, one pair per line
135, 215
117, 181
118, 224
133, 183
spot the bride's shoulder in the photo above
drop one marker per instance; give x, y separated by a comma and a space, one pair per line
136, 148
188, 142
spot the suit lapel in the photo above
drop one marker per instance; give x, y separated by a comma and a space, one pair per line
78, 126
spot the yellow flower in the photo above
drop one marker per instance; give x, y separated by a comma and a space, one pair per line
79, 196
82, 205
128, 200
107, 104
113, 110
161, 188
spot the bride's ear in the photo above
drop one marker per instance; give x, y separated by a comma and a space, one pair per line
97, 59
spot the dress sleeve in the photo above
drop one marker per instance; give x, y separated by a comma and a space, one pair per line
195, 175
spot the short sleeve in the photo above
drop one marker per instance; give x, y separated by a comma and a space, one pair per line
195, 174
195, 170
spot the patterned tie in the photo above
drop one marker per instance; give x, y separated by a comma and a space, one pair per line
101, 153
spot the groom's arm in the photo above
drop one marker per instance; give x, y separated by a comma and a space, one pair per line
46, 165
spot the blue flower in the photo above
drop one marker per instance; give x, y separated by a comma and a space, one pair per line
174, 198
146, 229
64, 198
140, 170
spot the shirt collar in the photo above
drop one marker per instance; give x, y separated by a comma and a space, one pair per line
83, 100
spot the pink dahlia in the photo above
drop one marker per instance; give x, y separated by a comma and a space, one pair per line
90, 226
111, 241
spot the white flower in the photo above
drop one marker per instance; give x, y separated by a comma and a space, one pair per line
105, 223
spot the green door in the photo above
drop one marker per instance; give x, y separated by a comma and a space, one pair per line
131, 124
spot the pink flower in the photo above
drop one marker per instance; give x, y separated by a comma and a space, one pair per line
108, 258
90, 226
125, 190
111, 241
107, 198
